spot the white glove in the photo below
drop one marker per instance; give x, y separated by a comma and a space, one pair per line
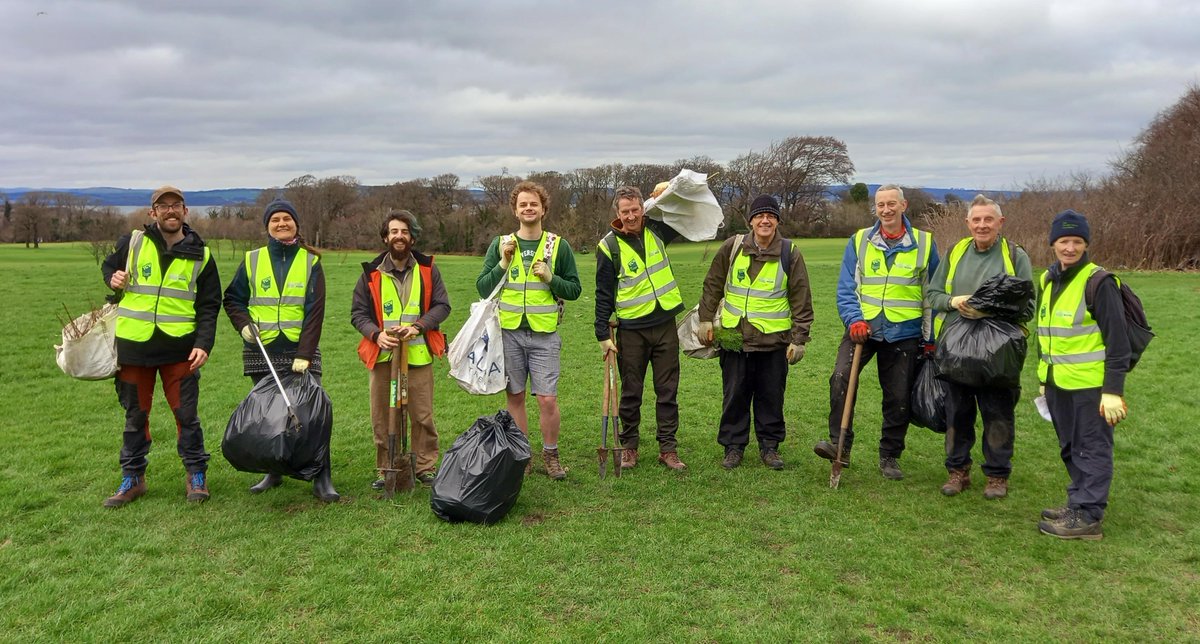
608, 346
1113, 408
705, 333
300, 365
248, 333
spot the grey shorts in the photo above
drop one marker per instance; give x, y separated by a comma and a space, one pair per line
532, 356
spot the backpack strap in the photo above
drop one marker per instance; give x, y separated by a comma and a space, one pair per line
1093, 284
785, 256
614, 249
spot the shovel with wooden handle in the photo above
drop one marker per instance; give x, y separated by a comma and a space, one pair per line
399, 474
602, 451
835, 476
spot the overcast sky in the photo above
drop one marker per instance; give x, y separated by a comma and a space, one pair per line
248, 93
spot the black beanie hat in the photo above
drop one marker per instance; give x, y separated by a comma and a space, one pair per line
763, 203
1069, 223
280, 205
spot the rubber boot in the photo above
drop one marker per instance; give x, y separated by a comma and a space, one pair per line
323, 486
269, 481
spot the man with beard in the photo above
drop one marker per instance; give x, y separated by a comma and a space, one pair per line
169, 296
400, 297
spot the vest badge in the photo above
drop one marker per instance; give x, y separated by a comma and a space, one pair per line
388, 308
875, 264
146, 270
741, 274
514, 273
632, 266
265, 283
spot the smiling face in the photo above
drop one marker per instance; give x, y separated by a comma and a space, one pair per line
399, 238
984, 224
889, 208
631, 214
528, 208
282, 227
170, 212
1068, 250
764, 224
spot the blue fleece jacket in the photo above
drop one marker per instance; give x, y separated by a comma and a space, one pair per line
850, 309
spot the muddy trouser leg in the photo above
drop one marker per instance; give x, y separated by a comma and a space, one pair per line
839, 383
380, 388
996, 409
135, 391
960, 426
897, 363
181, 386
420, 412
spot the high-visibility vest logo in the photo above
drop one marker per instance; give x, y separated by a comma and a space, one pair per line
146, 270
265, 283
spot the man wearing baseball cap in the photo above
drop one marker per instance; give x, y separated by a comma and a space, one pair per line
169, 295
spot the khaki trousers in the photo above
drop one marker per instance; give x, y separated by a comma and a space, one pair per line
424, 438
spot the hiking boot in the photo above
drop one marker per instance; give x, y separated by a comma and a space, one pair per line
996, 488
628, 458
889, 466
1075, 524
378, 484
269, 481
554, 469
959, 480
197, 487
770, 458
733, 458
828, 451
427, 477
671, 460
131, 488
1054, 514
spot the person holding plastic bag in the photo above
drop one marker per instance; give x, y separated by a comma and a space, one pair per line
971, 261
1084, 354
166, 327
278, 291
880, 298
400, 297
634, 281
537, 269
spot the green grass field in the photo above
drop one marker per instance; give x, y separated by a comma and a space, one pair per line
747, 555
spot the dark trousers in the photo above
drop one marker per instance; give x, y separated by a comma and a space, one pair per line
657, 347
995, 406
897, 366
753, 380
135, 390
1086, 443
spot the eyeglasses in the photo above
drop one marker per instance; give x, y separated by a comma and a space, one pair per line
168, 207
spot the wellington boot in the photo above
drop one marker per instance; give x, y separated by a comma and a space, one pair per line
323, 487
269, 481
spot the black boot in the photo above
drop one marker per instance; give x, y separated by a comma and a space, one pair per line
269, 481
323, 486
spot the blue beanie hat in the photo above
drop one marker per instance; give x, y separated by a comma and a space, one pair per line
280, 205
1069, 223
761, 204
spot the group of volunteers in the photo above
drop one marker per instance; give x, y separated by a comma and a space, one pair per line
894, 295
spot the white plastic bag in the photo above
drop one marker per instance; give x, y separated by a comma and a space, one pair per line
688, 206
477, 352
89, 345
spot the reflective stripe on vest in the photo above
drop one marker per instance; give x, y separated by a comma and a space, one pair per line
642, 283
762, 301
157, 298
524, 295
956, 254
276, 313
897, 292
394, 313
1068, 336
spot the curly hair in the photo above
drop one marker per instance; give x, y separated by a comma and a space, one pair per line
414, 227
535, 188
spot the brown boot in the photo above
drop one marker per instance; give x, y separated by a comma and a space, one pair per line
671, 460
959, 480
628, 458
131, 488
554, 469
996, 488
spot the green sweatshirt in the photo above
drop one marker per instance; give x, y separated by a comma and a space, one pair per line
974, 267
564, 284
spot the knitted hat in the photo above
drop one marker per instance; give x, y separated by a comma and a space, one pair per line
280, 205
1069, 223
763, 203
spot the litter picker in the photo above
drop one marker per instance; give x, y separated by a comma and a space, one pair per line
293, 421
401, 472
835, 476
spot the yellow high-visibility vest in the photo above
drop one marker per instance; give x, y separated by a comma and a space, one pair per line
956, 254
395, 313
277, 310
524, 295
154, 297
763, 301
898, 291
642, 283
1069, 337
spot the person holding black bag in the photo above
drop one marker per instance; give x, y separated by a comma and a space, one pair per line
278, 293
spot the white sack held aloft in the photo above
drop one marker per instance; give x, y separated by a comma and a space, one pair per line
688, 206
89, 345
477, 353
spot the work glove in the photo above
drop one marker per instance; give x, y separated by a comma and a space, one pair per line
960, 302
860, 332
248, 333
928, 349
300, 365
1041, 390
608, 346
705, 333
1113, 408
795, 352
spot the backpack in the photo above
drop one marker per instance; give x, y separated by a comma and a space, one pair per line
1136, 324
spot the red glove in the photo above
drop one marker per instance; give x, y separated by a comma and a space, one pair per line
927, 349
860, 332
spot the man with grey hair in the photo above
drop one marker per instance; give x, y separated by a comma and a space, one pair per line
880, 291
974, 259
634, 281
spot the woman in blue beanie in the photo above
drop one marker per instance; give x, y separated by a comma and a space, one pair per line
1083, 349
287, 272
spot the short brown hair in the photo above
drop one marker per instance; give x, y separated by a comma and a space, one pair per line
627, 192
529, 186
414, 227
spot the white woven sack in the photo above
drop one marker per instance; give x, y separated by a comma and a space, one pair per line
688, 206
477, 352
92, 356
689, 344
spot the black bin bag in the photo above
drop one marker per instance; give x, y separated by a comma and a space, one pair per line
257, 438
482, 473
928, 403
1002, 296
988, 352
